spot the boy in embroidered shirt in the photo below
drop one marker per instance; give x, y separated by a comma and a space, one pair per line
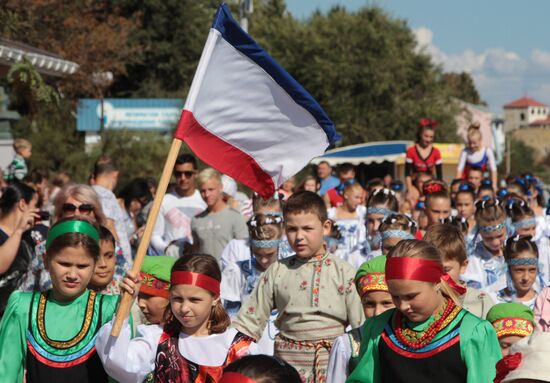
313, 291
17, 169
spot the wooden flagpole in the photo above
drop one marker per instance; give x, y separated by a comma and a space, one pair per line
126, 301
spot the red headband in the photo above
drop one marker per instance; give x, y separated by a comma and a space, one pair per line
413, 269
195, 279
235, 377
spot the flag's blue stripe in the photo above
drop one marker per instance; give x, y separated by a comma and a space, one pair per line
234, 35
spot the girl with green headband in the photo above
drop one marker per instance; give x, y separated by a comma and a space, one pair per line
50, 336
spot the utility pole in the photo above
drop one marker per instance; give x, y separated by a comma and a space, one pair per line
508, 138
246, 7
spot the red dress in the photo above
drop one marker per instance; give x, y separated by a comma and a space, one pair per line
416, 163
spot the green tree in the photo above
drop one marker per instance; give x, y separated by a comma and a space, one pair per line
462, 86
138, 154
172, 35
521, 159
362, 67
56, 143
91, 33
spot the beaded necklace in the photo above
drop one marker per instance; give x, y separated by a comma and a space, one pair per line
419, 339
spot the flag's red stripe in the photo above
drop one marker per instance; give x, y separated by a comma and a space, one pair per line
223, 156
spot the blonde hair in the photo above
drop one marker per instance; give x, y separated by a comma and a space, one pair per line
449, 240
474, 131
353, 187
83, 193
413, 248
208, 174
21, 143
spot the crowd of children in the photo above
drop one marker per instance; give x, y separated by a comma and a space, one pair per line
415, 281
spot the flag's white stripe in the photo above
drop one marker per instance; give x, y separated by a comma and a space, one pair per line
234, 88
209, 46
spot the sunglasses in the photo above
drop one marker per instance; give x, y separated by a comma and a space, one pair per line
187, 173
85, 208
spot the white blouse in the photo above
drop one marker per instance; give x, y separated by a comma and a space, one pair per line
130, 360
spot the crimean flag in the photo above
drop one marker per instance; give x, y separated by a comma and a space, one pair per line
246, 116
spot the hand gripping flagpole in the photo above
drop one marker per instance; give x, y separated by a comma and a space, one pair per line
127, 299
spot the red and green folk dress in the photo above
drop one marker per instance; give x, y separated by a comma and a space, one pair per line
454, 347
44, 340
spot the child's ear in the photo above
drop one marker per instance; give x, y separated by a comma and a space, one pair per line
327, 226
21, 204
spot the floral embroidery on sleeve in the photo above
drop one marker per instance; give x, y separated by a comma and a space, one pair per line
351, 282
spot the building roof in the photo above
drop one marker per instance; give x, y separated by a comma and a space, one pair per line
523, 102
542, 122
45, 62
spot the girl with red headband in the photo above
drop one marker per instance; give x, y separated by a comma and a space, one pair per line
428, 337
437, 204
423, 156
193, 346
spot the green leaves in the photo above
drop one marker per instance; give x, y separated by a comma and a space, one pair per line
363, 68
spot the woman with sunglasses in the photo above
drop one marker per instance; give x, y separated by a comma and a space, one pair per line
79, 199
75, 199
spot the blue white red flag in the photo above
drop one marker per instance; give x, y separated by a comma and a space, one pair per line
246, 116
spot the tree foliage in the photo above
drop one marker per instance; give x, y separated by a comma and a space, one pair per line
56, 143
30, 93
522, 159
172, 34
91, 33
461, 85
362, 67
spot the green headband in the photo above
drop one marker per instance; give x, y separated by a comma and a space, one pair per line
72, 227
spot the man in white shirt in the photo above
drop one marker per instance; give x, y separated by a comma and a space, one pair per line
178, 206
